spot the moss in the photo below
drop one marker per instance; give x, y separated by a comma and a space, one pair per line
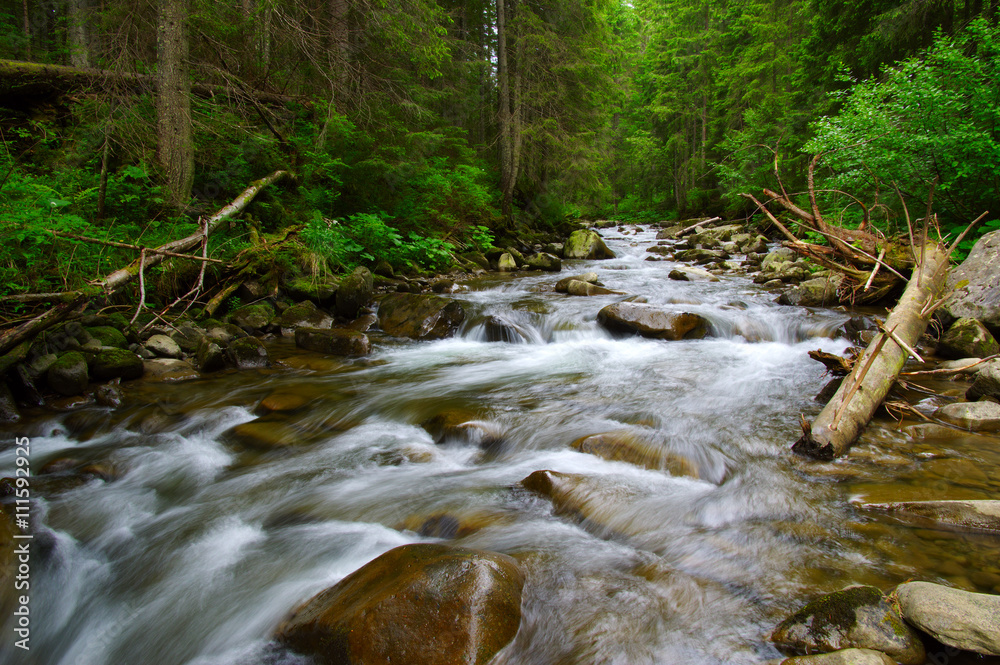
108, 336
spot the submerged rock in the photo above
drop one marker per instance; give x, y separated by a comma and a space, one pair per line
419, 316
651, 321
842, 657
586, 244
334, 341
961, 619
423, 604
964, 515
627, 446
856, 617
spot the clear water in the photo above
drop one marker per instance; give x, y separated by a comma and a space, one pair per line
199, 546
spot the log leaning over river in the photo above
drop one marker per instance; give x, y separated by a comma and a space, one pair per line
841, 421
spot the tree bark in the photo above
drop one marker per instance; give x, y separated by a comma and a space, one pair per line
173, 101
508, 175
841, 421
79, 43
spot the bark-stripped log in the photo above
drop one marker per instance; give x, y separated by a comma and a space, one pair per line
841, 421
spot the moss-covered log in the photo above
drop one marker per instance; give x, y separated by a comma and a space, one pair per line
841, 421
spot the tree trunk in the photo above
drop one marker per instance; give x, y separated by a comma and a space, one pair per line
508, 177
173, 101
841, 421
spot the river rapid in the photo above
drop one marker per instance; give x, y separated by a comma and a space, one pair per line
198, 547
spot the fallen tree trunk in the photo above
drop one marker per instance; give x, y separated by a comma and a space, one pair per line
73, 301
841, 421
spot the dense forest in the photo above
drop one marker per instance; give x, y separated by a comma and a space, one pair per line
416, 129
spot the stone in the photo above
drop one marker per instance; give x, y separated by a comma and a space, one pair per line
967, 338
627, 446
662, 250
689, 274
168, 369
544, 261
586, 244
961, 619
982, 515
856, 617
701, 256
266, 433
109, 395
23, 384
222, 333
8, 408
322, 292
334, 341
163, 347
506, 263
282, 402
578, 288
652, 321
562, 286
499, 328
818, 292
116, 364
302, 315
980, 298
355, 293
69, 374
449, 425
108, 336
247, 353
419, 316
842, 657
210, 356
188, 337
420, 604
253, 318
986, 382
975, 416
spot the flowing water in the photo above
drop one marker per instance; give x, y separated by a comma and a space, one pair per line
198, 547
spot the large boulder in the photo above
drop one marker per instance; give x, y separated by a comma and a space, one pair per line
967, 338
652, 321
586, 244
419, 316
68, 375
116, 364
355, 292
248, 353
108, 336
976, 416
961, 619
302, 315
818, 292
334, 341
422, 604
856, 617
980, 299
506, 262
253, 318
562, 286
323, 292
986, 382
544, 261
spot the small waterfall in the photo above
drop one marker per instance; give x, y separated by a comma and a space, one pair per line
508, 326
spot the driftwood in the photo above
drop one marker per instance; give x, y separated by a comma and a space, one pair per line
74, 301
841, 421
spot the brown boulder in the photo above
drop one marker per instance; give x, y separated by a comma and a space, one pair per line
627, 446
422, 604
419, 316
651, 321
334, 341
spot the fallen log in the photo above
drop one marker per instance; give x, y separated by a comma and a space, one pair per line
74, 301
841, 421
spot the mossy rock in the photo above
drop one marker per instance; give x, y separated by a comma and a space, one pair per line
336, 341
586, 244
323, 292
108, 336
116, 364
304, 314
248, 353
253, 317
856, 617
967, 338
421, 604
355, 292
419, 316
68, 375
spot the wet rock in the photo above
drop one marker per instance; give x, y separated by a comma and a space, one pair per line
419, 316
163, 346
543, 261
818, 292
443, 286
627, 446
506, 263
8, 560
651, 321
248, 353
116, 364
109, 395
498, 328
266, 433
962, 515
282, 402
422, 604
662, 250
107, 336
689, 274
355, 293
586, 244
68, 375
322, 292
961, 619
448, 425
986, 382
967, 338
334, 341
210, 356
168, 369
980, 298
302, 315
222, 333
842, 657
856, 617
562, 286
701, 256
253, 318
450, 525
8, 408
578, 288
188, 337
975, 416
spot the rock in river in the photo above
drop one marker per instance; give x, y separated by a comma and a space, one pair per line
334, 341
627, 446
961, 619
586, 244
652, 321
967, 338
422, 604
419, 316
856, 617
963, 515
842, 657
977, 416
980, 298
